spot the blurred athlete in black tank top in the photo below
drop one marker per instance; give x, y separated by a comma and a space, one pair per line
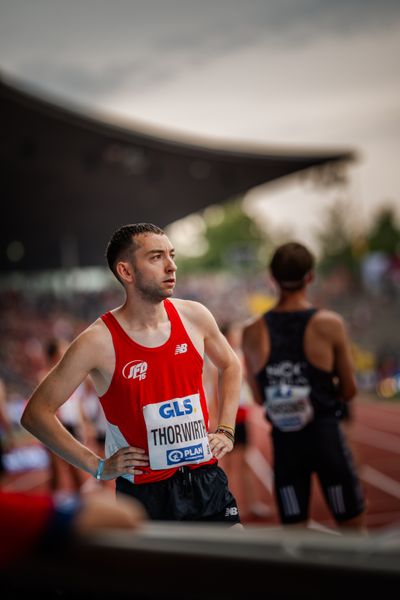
300, 368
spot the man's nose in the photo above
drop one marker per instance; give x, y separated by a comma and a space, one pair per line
171, 266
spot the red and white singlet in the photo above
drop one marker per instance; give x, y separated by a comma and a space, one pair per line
156, 401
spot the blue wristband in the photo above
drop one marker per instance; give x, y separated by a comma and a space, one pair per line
100, 468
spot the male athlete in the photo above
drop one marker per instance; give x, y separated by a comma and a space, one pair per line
146, 359
299, 365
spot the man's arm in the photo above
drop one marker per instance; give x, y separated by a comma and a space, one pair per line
37, 524
343, 361
252, 352
40, 417
5, 421
229, 368
220, 353
253, 385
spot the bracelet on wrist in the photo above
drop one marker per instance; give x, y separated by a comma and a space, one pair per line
228, 427
226, 433
100, 468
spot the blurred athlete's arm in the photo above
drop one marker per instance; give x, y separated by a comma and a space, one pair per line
42, 523
253, 347
343, 361
5, 421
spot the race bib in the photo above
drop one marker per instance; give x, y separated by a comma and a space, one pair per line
176, 433
289, 407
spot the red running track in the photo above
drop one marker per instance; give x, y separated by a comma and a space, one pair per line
374, 437
373, 433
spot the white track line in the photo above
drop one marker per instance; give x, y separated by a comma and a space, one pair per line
261, 468
380, 481
319, 527
375, 438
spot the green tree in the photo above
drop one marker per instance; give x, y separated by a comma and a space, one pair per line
234, 242
385, 234
339, 246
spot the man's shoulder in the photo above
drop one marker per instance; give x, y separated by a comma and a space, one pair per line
328, 316
327, 321
253, 327
252, 321
96, 334
195, 314
189, 307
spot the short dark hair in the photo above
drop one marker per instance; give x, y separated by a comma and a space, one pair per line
290, 264
122, 241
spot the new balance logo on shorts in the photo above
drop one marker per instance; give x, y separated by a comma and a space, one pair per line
181, 349
231, 512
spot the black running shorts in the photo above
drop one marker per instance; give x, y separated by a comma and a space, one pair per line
199, 494
320, 448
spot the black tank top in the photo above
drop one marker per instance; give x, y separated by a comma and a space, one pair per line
293, 389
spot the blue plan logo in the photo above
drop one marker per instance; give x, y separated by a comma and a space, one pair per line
187, 454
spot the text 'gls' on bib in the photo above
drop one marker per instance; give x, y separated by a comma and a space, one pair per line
176, 433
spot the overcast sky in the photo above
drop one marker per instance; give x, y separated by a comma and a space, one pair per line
288, 73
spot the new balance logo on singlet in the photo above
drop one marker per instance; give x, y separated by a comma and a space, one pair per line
136, 369
181, 349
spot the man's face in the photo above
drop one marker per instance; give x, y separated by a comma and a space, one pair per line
154, 267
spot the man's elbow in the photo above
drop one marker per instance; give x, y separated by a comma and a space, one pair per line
349, 392
27, 420
237, 365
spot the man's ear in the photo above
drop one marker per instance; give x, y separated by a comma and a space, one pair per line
125, 271
273, 280
309, 278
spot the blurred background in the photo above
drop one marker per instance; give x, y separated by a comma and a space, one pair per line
234, 125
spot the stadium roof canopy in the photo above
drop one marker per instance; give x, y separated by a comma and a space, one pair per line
68, 179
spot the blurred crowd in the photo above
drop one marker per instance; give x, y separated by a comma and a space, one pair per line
30, 319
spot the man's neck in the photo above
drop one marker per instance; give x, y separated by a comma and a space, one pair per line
292, 301
140, 315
